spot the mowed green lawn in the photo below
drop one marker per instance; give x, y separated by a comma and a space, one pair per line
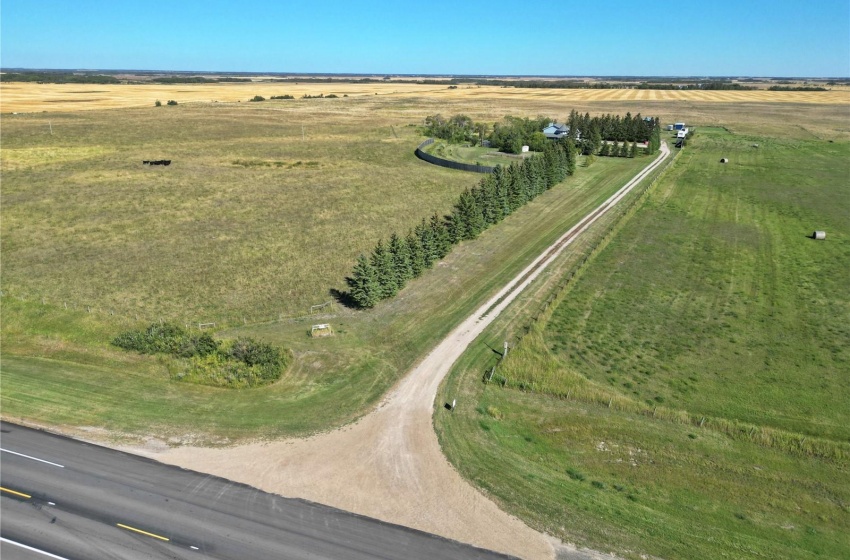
58, 367
711, 302
716, 301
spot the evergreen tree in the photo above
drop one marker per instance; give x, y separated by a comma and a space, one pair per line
442, 241
488, 201
595, 139
572, 156
502, 179
401, 260
624, 150
550, 164
633, 150
417, 254
365, 290
534, 176
382, 262
517, 188
428, 243
605, 150
573, 123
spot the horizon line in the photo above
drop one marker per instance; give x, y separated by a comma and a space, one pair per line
423, 75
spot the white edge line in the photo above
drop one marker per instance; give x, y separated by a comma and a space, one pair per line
4, 539
33, 458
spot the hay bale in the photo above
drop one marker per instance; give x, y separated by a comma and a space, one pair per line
819, 235
724, 160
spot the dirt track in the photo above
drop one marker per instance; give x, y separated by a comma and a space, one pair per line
389, 465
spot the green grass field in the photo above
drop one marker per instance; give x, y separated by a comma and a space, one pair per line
686, 397
708, 306
55, 358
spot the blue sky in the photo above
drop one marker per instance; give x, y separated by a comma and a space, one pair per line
807, 38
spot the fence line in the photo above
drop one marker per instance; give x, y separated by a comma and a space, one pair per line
449, 163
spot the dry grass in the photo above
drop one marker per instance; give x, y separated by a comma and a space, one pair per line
30, 97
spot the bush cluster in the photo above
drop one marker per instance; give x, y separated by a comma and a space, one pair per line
243, 362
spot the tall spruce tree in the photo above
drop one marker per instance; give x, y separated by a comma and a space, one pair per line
571, 156
517, 190
401, 260
429, 245
442, 241
503, 181
417, 254
382, 262
364, 287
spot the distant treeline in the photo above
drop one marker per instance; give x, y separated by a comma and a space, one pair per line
540, 83
195, 80
382, 274
797, 88
93, 78
59, 78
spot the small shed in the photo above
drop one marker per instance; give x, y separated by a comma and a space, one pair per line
819, 235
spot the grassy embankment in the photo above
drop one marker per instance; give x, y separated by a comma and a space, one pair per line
207, 239
686, 395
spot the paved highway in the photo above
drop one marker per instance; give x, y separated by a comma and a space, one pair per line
80, 501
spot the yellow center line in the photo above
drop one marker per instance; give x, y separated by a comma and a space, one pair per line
143, 532
16, 493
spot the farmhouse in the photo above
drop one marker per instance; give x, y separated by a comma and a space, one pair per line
556, 131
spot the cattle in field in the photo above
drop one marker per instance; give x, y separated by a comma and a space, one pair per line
156, 162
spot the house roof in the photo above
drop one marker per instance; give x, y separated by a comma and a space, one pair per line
554, 130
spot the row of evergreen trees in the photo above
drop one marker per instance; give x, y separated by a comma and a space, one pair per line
382, 274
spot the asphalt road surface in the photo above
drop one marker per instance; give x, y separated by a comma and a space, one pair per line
63, 498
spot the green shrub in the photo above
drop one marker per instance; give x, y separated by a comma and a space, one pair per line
171, 102
258, 98
243, 363
574, 474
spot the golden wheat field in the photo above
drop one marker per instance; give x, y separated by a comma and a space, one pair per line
33, 97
